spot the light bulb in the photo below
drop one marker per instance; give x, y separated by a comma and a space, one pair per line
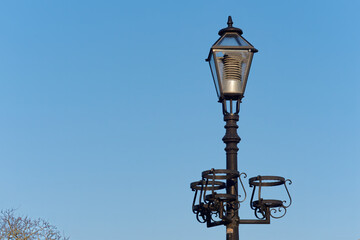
232, 74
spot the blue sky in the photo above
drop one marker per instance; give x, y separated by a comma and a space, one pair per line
108, 112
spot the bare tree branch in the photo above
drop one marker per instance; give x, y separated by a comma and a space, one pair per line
25, 228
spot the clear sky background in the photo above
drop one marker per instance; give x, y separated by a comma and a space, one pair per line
108, 112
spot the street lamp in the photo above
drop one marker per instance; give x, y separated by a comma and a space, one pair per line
216, 199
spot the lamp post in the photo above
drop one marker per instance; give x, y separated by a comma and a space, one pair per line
217, 200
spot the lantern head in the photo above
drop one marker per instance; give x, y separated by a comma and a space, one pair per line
230, 60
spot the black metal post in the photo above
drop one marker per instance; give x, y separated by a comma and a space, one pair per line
231, 139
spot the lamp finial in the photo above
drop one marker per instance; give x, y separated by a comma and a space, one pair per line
230, 28
229, 22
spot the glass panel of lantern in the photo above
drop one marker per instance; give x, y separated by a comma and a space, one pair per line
232, 39
214, 74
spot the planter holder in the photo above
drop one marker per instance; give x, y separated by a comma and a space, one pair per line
272, 207
210, 201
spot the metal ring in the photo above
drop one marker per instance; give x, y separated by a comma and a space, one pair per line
221, 197
216, 185
266, 181
270, 203
220, 174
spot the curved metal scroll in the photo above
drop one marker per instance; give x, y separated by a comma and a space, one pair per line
290, 202
242, 185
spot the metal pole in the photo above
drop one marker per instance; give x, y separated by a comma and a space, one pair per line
231, 139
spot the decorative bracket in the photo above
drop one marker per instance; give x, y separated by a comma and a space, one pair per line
212, 206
